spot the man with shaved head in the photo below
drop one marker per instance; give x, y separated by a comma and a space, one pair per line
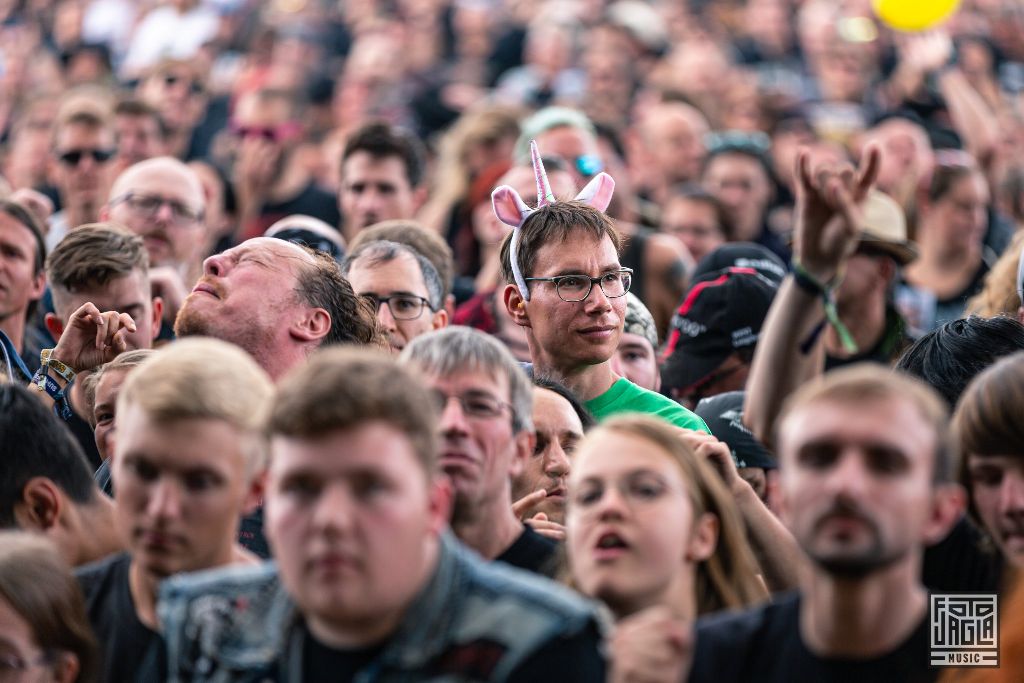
162, 201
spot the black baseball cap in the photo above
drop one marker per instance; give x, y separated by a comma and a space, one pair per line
723, 415
721, 313
743, 255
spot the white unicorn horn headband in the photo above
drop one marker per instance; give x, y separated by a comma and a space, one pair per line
511, 210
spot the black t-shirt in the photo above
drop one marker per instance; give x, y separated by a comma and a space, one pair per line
532, 552
764, 645
562, 660
128, 646
960, 564
312, 201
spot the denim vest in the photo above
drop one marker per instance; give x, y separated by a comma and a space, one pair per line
238, 624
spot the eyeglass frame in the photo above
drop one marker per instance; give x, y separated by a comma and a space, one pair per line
378, 300
557, 278
197, 216
443, 399
99, 155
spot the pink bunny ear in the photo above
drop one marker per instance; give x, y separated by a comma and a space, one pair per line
509, 207
598, 192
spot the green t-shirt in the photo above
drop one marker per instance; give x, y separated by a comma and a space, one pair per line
626, 397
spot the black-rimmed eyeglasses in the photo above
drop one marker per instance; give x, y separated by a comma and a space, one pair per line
574, 288
402, 306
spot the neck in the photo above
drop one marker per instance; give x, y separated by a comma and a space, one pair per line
586, 381
680, 596
488, 528
13, 325
102, 539
865, 318
80, 214
861, 618
374, 629
277, 362
145, 585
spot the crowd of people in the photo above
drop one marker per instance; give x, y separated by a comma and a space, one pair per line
507, 340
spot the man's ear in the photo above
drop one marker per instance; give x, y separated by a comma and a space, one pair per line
525, 440
886, 269
440, 320
1020, 314
949, 501
440, 493
38, 286
516, 306
105, 212
419, 197
257, 489
158, 315
54, 325
40, 505
313, 326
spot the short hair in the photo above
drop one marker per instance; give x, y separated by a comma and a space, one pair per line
322, 285
382, 251
459, 349
136, 108
123, 361
868, 382
987, 420
291, 98
202, 378
555, 223
547, 119
552, 385
20, 213
92, 256
381, 140
415, 235
39, 585
345, 388
949, 357
36, 443
697, 193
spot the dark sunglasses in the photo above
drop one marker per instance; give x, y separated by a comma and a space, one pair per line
73, 157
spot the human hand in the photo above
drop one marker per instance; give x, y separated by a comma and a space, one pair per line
254, 167
521, 508
926, 52
652, 646
828, 218
716, 453
91, 338
545, 527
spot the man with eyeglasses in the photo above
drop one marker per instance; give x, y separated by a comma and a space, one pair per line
568, 253
83, 146
162, 201
402, 285
486, 427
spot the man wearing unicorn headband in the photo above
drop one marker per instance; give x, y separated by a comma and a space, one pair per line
567, 287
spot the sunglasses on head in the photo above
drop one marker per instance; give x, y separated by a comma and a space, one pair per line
73, 157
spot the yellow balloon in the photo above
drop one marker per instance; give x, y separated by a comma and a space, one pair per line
914, 15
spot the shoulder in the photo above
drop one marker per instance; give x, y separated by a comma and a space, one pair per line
96, 577
642, 400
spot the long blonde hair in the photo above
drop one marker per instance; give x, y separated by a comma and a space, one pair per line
728, 579
999, 293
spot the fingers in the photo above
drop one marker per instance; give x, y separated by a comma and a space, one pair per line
523, 505
867, 174
803, 170
543, 526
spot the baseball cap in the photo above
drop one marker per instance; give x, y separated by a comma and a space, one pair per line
723, 415
722, 313
743, 255
639, 320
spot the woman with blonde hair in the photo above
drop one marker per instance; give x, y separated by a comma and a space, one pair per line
1000, 295
43, 625
651, 524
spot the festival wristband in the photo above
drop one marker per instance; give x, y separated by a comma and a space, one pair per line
807, 282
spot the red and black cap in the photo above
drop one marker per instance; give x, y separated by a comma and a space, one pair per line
721, 313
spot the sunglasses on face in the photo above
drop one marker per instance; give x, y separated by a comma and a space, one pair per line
73, 157
194, 87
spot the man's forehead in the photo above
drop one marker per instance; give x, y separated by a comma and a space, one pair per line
166, 180
848, 420
273, 248
577, 251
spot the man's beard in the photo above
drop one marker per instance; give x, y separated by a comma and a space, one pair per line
874, 558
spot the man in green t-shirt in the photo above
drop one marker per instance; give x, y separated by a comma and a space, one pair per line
567, 287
